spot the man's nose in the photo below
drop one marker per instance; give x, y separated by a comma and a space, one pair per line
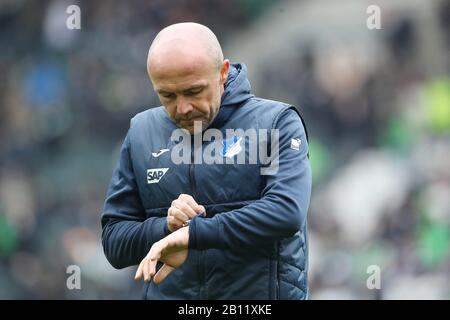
183, 106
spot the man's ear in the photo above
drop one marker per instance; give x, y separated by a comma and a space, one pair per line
224, 70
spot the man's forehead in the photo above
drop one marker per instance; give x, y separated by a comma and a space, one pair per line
167, 86
173, 66
180, 74
180, 70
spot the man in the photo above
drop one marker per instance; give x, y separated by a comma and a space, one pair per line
200, 230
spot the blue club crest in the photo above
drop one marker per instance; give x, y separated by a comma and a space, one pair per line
231, 147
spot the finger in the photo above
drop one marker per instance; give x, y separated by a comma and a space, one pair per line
179, 222
173, 224
202, 208
152, 258
138, 274
169, 223
186, 209
185, 197
146, 272
152, 267
191, 202
180, 215
162, 273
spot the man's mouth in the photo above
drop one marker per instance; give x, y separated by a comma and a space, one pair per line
190, 122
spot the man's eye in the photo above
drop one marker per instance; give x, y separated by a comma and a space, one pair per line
168, 96
193, 93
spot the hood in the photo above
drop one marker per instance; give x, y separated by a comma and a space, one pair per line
237, 90
237, 87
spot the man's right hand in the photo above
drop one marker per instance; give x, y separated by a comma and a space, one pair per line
182, 209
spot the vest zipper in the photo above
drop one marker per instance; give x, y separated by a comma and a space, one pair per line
191, 171
277, 273
200, 261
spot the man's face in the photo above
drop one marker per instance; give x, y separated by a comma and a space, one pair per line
190, 90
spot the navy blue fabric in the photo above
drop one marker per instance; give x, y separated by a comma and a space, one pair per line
253, 242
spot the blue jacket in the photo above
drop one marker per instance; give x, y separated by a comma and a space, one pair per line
253, 242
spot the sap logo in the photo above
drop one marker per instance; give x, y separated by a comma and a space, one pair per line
154, 175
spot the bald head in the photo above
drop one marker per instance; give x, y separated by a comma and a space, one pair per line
188, 72
188, 41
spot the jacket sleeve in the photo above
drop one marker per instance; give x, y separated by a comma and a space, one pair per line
282, 209
126, 235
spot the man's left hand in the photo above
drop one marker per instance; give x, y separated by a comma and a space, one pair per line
172, 250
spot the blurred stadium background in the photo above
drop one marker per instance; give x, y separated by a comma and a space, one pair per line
376, 102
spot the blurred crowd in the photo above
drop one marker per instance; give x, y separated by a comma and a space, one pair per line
379, 132
379, 123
